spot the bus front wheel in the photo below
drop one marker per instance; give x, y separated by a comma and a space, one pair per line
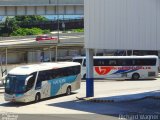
37, 97
135, 76
68, 91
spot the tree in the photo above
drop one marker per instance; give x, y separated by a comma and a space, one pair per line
10, 25
27, 31
31, 18
13, 23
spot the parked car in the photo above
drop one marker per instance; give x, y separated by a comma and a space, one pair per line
45, 37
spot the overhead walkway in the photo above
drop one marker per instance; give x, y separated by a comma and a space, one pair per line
41, 7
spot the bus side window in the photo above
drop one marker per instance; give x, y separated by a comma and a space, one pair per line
39, 80
122, 62
112, 62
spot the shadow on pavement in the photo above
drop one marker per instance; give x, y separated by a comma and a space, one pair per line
132, 97
115, 109
12, 104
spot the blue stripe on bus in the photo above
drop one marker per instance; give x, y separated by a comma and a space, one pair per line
124, 71
57, 83
120, 71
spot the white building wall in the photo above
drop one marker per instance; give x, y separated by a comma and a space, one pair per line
122, 24
12, 58
34, 56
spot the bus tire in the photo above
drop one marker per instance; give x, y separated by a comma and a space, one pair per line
135, 76
68, 91
37, 97
84, 76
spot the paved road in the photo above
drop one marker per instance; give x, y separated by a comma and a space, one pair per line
68, 105
65, 38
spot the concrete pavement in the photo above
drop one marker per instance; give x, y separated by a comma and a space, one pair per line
69, 108
121, 90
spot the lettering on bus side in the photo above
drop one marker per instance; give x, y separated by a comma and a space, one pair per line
103, 70
59, 81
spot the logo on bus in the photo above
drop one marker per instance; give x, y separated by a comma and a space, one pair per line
103, 70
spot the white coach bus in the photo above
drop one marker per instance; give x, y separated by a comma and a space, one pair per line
35, 82
127, 67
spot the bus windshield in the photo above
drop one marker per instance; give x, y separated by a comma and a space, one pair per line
78, 60
15, 84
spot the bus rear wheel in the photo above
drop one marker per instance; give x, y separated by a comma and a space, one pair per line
37, 97
68, 91
135, 76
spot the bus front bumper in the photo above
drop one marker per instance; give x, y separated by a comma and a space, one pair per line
15, 98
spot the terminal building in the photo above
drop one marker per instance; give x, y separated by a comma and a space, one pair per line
120, 24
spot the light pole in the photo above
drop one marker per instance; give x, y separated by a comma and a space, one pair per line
58, 19
63, 24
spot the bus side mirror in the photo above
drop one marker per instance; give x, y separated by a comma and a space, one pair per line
27, 79
3, 79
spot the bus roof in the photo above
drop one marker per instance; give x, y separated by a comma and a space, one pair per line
28, 69
118, 57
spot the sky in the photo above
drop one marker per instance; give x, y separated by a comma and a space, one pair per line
54, 17
1, 17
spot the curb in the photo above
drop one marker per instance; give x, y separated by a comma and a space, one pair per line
97, 100
101, 101
1, 87
1, 90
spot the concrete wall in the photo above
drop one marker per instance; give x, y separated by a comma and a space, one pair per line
122, 24
13, 58
38, 55
34, 56
63, 54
